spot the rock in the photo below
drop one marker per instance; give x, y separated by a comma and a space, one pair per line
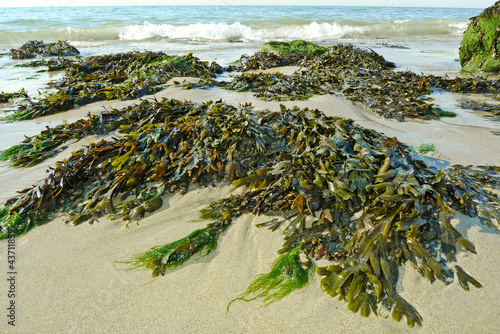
286, 48
480, 47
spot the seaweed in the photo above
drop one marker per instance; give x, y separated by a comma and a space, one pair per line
116, 76
174, 254
35, 149
489, 110
288, 273
6, 97
32, 49
292, 47
360, 75
426, 148
14, 223
340, 192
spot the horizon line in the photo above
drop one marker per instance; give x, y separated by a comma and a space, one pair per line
242, 5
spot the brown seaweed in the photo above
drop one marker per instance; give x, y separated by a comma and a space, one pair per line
32, 49
490, 110
360, 75
6, 97
116, 76
339, 192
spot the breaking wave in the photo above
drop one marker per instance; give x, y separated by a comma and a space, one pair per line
337, 30
314, 30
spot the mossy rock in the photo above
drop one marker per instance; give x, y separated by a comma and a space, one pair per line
480, 47
286, 48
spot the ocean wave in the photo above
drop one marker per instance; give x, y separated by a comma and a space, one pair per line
314, 30
210, 31
221, 31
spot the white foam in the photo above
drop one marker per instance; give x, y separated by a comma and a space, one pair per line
221, 31
236, 31
458, 28
210, 31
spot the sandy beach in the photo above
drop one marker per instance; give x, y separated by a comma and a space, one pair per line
68, 280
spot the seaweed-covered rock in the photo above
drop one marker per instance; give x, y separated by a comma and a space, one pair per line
31, 49
480, 47
286, 48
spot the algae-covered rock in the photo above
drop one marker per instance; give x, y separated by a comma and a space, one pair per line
480, 47
286, 48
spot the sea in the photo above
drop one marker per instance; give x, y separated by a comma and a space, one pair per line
422, 40
224, 33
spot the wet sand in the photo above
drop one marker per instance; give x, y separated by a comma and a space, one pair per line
68, 280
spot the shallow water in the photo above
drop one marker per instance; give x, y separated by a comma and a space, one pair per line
466, 117
32, 80
230, 23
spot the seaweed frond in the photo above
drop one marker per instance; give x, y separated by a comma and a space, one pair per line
288, 273
14, 223
172, 255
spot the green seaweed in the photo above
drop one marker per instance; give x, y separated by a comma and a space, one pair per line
159, 259
288, 273
286, 48
33, 149
15, 223
185, 64
48, 143
12, 222
426, 148
479, 47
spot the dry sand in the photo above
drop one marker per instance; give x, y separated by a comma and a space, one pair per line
67, 281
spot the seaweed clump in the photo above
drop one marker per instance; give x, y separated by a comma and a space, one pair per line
276, 54
202, 241
116, 76
360, 75
293, 47
33, 150
6, 97
32, 49
336, 190
288, 273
